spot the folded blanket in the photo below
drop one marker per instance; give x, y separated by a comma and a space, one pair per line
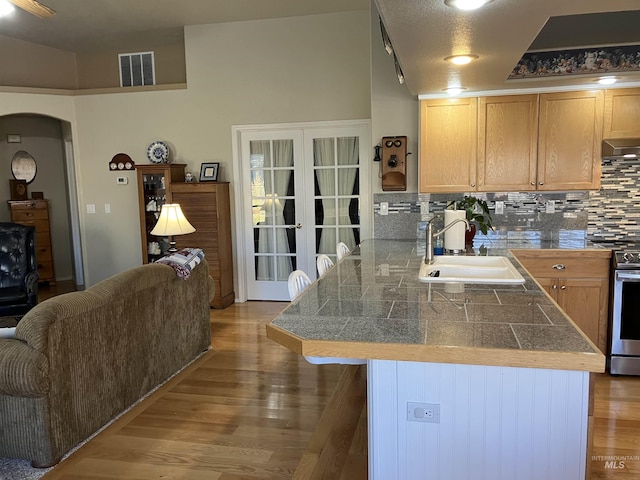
183, 261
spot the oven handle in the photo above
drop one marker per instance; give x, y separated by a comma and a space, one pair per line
628, 275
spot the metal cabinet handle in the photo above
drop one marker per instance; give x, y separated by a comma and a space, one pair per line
298, 226
541, 183
473, 184
563, 287
533, 183
555, 287
559, 266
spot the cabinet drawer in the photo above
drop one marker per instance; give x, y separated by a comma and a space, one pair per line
20, 216
564, 265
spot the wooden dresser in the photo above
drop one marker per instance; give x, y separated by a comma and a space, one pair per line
36, 213
206, 206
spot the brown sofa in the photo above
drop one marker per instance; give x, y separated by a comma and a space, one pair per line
80, 359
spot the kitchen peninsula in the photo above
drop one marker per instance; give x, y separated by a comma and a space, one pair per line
499, 374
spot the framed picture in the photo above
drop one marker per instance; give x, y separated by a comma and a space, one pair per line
209, 172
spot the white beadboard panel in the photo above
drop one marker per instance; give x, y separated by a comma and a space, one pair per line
386, 422
495, 422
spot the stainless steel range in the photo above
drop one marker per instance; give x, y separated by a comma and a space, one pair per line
625, 317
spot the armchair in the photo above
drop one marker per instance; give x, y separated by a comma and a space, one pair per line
18, 269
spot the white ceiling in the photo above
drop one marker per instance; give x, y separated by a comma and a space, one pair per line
95, 25
423, 32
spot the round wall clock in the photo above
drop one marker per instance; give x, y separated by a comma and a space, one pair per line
158, 152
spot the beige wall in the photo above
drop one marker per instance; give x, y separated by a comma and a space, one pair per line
282, 70
394, 111
33, 65
101, 69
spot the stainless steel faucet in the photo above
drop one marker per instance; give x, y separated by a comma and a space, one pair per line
428, 254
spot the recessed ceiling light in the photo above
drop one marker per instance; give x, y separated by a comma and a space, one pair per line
461, 59
5, 8
466, 4
607, 80
454, 90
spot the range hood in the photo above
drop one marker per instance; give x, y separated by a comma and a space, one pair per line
621, 148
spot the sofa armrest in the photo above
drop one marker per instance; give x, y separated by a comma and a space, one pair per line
24, 372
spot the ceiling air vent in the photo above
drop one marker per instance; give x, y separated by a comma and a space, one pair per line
137, 69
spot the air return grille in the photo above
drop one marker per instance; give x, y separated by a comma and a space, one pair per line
137, 69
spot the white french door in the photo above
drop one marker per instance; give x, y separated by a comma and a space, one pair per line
304, 189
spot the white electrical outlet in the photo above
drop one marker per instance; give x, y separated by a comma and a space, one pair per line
107, 208
423, 412
550, 206
384, 208
91, 208
499, 208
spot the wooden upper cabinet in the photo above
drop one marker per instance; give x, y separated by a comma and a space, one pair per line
507, 143
448, 136
622, 113
570, 140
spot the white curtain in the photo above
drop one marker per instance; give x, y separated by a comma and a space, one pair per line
348, 153
272, 240
323, 156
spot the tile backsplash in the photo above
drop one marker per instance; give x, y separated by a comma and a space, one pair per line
609, 214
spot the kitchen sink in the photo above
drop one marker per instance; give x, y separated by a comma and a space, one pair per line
470, 269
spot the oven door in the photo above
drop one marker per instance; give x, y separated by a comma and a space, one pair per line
625, 325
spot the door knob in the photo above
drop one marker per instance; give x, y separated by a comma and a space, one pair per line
298, 226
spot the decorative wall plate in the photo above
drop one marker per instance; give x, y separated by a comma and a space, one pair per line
158, 152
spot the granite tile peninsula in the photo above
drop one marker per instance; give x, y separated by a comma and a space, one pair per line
372, 305
507, 370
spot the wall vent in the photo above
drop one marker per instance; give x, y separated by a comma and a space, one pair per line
137, 69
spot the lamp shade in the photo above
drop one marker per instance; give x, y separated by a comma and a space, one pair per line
172, 222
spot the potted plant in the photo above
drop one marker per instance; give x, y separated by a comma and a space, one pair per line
477, 214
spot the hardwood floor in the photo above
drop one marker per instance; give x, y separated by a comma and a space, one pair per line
251, 410
248, 409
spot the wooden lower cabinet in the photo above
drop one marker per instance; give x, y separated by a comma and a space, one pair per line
206, 206
36, 213
578, 281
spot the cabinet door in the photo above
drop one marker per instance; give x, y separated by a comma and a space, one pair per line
622, 113
570, 140
448, 153
507, 143
585, 301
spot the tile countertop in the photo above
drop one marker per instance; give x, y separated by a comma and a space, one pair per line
372, 305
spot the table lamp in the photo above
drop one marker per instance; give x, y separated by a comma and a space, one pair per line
172, 222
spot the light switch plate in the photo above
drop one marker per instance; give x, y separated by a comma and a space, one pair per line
499, 208
384, 208
91, 208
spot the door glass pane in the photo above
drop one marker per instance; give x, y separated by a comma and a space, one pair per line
325, 181
348, 149
283, 182
260, 153
348, 211
263, 239
326, 211
284, 267
347, 181
283, 153
326, 241
350, 236
324, 152
265, 268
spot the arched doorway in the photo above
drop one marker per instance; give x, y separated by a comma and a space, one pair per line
49, 141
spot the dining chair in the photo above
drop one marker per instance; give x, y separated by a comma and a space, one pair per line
324, 263
342, 250
298, 282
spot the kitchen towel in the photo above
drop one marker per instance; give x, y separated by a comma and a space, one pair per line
454, 237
